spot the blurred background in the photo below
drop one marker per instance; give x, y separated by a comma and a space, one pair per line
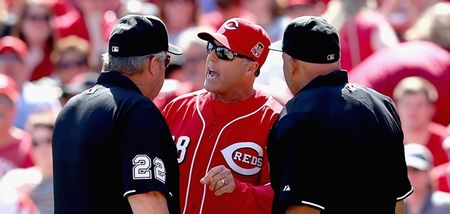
50, 50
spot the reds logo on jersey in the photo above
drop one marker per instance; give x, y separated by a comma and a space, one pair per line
244, 157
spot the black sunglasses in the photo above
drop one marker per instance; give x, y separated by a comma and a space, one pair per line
73, 64
37, 17
224, 53
167, 60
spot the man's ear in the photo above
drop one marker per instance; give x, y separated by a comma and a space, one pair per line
295, 66
252, 67
153, 65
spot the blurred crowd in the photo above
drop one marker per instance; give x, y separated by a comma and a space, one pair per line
50, 50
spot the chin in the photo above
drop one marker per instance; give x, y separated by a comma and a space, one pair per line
208, 87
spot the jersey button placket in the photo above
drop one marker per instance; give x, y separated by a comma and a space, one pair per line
214, 122
193, 206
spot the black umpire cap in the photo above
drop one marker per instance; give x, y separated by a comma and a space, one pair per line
310, 39
139, 35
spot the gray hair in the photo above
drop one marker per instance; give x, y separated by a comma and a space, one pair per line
129, 65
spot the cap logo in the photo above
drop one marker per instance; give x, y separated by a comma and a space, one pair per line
231, 24
330, 57
258, 49
115, 49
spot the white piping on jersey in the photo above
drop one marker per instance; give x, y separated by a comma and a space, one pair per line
313, 204
195, 153
215, 144
128, 192
405, 195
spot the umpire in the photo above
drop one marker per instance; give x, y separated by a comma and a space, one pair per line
113, 152
337, 147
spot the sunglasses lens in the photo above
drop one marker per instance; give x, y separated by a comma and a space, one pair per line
227, 54
37, 18
167, 60
221, 52
209, 47
66, 65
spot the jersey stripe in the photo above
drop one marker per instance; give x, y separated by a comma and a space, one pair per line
313, 204
195, 154
128, 192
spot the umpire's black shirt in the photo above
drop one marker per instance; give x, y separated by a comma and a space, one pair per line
338, 147
111, 142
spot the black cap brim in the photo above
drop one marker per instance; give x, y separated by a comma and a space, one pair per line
175, 50
277, 46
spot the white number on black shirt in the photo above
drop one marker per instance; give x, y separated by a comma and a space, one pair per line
142, 168
160, 171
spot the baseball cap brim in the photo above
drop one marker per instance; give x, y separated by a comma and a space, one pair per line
175, 50
222, 39
277, 46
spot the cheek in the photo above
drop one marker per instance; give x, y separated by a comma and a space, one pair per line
161, 76
67, 75
36, 29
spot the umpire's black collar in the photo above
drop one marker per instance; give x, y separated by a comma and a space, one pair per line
113, 78
333, 78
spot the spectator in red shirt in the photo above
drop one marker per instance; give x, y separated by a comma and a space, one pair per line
15, 144
441, 174
90, 20
362, 30
415, 98
35, 29
13, 55
426, 54
37, 182
71, 57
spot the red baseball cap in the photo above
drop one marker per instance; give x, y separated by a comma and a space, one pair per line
243, 37
14, 44
8, 88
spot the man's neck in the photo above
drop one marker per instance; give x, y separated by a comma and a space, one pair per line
233, 97
416, 201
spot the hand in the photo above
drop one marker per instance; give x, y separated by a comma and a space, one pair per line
220, 180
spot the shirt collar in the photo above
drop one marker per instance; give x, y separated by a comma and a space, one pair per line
113, 78
333, 78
